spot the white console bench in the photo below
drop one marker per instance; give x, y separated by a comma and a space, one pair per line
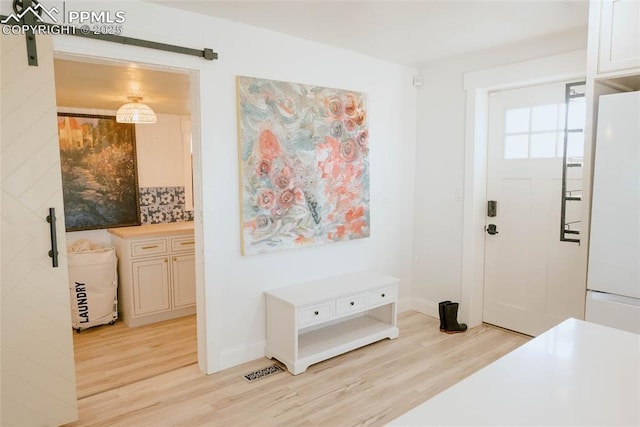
314, 321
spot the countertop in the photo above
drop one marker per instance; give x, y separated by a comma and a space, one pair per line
577, 373
171, 229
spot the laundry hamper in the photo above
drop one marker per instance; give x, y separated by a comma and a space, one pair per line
93, 287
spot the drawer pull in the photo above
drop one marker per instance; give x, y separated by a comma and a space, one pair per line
187, 243
316, 312
352, 303
382, 295
150, 247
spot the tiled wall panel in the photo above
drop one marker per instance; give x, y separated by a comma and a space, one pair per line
163, 204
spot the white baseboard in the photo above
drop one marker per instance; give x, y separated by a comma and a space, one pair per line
405, 304
241, 354
423, 306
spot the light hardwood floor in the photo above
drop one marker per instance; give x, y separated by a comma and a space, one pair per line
368, 386
112, 356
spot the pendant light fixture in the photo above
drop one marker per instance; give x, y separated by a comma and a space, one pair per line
135, 112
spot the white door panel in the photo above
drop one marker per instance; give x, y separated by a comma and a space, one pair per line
38, 377
532, 281
515, 195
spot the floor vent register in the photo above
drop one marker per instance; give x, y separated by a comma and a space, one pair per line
262, 373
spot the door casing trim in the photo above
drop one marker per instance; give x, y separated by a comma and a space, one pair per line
85, 50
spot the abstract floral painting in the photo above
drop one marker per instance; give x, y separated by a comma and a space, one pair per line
304, 165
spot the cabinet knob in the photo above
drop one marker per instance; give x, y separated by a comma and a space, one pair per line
316, 312
175, 258
352, 303
166, 260
382, 295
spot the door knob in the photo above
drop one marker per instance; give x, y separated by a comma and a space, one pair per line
492, 229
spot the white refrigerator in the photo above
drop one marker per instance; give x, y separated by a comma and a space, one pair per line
613, 283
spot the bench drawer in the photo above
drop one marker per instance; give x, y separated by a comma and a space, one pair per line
381, 296
351, 304
315, 314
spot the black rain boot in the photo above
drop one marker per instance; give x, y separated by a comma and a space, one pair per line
451, 319
443, 324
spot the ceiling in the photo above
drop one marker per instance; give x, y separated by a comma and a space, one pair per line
106, 87
413, 33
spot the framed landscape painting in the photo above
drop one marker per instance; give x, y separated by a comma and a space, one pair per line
304, 165
99, 172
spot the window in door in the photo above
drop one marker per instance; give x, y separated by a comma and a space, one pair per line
537, 131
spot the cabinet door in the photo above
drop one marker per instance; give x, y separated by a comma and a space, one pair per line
150, 286
619, 35
184, 280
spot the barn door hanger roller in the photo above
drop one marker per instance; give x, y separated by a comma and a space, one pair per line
27, 18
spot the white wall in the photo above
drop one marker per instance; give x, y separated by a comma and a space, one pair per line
160, 152
233, 285
440, 164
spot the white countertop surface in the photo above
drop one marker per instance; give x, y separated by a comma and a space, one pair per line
169, 229
577, 373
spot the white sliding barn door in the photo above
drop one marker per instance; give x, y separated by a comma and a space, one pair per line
38, 378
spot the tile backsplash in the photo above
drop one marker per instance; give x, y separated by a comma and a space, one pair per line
163, 204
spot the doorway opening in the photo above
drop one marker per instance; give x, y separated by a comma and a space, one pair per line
478, 84
156, 329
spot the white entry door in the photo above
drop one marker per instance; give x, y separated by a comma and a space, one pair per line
532, 281
38, 377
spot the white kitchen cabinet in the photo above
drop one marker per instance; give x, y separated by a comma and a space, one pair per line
618, 35
150, 285
156, 267
183, 268
314, 321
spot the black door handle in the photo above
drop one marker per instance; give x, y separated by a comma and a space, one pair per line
53, 253
492, 229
